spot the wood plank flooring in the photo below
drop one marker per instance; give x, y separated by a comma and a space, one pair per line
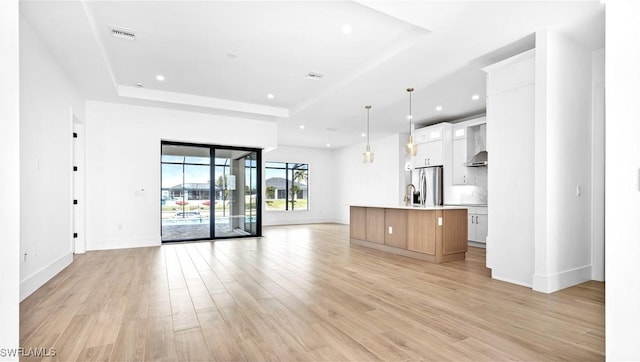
302, 293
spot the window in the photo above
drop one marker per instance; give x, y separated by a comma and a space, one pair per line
286, 186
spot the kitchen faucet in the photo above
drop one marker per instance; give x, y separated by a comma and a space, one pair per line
407, 196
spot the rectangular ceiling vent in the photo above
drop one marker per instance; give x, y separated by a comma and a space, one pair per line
122, 33
314, 75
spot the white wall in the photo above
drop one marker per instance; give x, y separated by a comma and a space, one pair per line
562, 163
622, 181
597, 164
47, 97
322, 185
123, 158
10, 175
377, 183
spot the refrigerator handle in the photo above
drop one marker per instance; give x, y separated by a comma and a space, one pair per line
423, 187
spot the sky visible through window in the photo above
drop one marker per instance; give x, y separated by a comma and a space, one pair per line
172, 172
278, 169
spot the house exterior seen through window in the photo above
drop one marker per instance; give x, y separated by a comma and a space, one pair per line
286, 186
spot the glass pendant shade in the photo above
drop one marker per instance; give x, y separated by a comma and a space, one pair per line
367, 156
410, 149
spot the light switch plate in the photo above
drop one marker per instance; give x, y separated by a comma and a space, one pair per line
390, 229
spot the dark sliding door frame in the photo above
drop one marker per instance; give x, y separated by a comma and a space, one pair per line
212, 191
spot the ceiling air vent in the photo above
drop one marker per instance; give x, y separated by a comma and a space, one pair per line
314, 75
123, 33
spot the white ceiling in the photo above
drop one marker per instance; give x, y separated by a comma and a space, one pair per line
224, 57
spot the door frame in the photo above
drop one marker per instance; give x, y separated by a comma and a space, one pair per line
212, 150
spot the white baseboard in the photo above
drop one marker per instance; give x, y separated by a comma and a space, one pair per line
126, 243
503, 279
31, 283
568, 278
301, 222
476, 244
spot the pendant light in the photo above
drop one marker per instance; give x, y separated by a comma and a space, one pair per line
410, 149
368, 155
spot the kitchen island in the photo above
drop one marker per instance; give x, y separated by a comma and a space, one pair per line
436, 234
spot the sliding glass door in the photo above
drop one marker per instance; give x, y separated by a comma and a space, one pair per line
236, 197
194, 207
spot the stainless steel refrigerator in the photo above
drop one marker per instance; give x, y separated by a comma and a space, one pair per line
428, 183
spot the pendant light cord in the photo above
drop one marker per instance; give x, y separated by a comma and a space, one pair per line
368, 108
410, 90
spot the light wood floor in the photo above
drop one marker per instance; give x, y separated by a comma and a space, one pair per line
302, 293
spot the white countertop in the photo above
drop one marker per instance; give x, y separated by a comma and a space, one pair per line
445, 207
467, 205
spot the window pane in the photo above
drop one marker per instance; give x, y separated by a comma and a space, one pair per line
251, 192
172, 159
286, 186
275, 183
236, 180
197, 160
185, 197
269, 164
299, 189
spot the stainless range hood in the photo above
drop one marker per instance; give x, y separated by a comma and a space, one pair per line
478, 160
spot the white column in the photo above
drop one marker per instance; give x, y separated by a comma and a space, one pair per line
562, 162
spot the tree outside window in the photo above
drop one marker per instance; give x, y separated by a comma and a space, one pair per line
286, 186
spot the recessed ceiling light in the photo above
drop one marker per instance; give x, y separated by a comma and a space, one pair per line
363, 134
438, 108
270, 96
302, 126
139, 85
328, 144
346, 28
159, 77
475, 97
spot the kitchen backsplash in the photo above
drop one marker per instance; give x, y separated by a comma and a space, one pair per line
477, 193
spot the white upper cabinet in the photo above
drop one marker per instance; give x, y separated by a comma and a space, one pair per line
459, 157
460, 130
430, 141
429, 154
430, 133
468, 138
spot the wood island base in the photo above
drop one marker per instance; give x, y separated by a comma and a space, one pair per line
433, 234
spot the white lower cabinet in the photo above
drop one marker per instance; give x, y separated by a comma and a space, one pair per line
477, 224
